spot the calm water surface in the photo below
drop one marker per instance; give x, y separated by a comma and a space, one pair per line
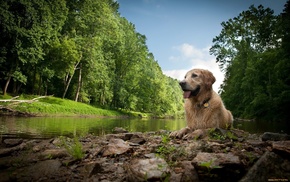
46, 127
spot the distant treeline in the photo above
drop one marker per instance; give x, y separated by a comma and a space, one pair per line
84, 51
253, 49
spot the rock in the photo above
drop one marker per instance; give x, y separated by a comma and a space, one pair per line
41, 171
193, 146
134, 157
93, 168
215, 144
9, 151
274, 136
53, 154
117, 130
137, 140
128, 136
216, 160
270, 167
257, 143
115, 147
123, 136
218, 166
103, 170
154, 169
36, 148
239, 133
57, 142
151, 155
12, 142
282, 147
184, 171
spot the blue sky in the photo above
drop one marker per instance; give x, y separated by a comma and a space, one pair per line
180, 32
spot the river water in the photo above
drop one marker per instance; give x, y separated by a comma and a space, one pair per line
46, 127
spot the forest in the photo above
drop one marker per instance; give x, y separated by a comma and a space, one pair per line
86, 51
83, 51
253, 50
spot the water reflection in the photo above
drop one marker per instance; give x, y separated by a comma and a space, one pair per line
262, 126
47, 127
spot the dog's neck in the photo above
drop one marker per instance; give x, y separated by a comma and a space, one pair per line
202, 101
204, 104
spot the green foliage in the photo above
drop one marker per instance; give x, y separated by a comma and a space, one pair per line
57, 106
217, 134
73, 147
83, 51
214, 134
169, 152
27, 27
252, 50
231, 136
251, 157
209, 165
165, 139
164, 149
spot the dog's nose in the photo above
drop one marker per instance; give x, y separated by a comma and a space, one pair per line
182, 83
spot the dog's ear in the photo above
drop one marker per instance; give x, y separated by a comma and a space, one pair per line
208, 79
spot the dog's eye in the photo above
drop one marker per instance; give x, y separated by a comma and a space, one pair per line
193, 75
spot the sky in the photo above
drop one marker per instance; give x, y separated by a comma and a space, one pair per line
180, 32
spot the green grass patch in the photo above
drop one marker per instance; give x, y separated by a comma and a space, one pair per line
54, 106
58, 107
73, 147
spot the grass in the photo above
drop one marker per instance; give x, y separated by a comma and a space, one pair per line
209, 165
213, 134
169, 152
73, 147
53, 106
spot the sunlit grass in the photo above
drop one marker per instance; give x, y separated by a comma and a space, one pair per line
59, 107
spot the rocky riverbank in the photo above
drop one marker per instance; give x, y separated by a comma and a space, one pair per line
212, 155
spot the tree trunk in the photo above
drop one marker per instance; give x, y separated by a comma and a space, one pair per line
67, 85
79, 84
46, 86
39, 85
68, 80
33, 81
6, 85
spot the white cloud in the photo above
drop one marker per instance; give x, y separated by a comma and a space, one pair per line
195, 58
190, 51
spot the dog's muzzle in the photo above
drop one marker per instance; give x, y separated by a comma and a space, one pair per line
187, 90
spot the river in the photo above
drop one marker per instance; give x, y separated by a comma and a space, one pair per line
47, 127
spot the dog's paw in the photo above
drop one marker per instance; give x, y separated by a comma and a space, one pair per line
199, 133
180, 133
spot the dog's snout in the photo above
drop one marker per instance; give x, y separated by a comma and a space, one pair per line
182, 83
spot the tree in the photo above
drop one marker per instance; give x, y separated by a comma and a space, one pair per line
26, 27
283, 66
93, 25
81, 50
247, 50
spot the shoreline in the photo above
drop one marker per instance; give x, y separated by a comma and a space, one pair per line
214, 155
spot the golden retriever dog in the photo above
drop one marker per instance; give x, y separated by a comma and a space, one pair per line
203, 106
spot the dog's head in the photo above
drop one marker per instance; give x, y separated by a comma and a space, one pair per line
196, 81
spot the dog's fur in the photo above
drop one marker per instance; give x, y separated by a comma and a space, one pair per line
203, 106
